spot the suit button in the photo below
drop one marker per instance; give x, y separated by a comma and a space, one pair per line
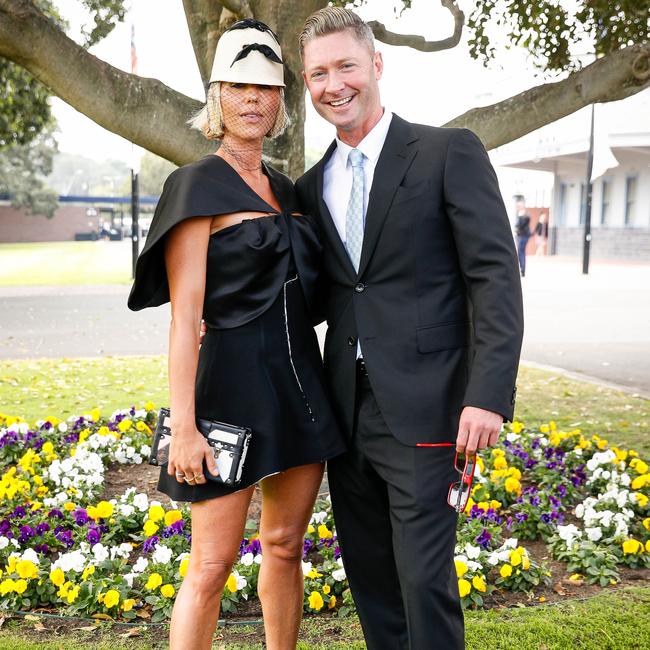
360, 287
352, 340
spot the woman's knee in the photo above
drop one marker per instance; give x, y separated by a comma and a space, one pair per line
285, 544
208, 576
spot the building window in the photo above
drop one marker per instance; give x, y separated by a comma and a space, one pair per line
604, 201
630, 199
583, 203
562, 205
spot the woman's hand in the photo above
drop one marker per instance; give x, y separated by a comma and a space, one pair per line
187, 455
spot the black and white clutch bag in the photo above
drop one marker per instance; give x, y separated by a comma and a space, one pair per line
229, 444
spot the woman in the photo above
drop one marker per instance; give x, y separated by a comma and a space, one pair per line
227, 245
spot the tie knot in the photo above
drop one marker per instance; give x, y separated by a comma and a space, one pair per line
355, 157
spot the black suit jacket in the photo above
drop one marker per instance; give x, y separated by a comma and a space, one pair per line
436, 304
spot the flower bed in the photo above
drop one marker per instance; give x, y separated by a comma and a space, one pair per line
63, 548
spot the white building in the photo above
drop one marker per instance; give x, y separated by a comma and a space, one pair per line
620, 213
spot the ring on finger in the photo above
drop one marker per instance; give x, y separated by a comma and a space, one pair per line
180, 475
197, 477
189, 479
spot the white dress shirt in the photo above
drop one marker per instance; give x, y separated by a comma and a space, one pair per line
337, 174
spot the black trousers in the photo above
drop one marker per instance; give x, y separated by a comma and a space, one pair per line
397, 534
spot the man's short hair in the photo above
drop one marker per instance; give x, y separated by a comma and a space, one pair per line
331, 20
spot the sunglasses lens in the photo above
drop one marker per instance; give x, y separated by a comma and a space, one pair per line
459, 495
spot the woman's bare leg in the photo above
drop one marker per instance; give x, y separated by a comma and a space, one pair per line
217, 530
287, 503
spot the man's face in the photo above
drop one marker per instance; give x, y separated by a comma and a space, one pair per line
342, 78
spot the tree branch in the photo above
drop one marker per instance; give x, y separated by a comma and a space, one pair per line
240, 8
203, 18
613, 77
142, 110
419, 42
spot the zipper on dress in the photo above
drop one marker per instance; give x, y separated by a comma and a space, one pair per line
293, 367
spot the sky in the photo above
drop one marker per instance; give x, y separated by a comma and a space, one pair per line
427, 88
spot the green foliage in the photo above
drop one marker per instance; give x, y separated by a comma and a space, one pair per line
23, 168
105, 14
547, 30
153, 172
24, 109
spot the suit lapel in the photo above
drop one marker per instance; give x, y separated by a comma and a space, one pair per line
395, 159
329, 227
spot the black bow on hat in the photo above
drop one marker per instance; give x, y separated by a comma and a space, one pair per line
257, 47
251, 23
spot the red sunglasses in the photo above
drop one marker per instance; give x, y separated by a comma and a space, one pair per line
459, 491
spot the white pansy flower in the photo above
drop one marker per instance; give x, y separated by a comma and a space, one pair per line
141, 502
247, 559
472, 551
4, 542
140, 565
162, 554
63, 427
100, 552
306, 568
339, 574
594, 534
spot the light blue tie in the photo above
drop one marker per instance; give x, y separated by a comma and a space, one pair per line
354, 214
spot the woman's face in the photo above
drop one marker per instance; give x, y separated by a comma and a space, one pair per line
249, 110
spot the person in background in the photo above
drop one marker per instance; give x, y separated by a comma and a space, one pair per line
522, 234
541, 235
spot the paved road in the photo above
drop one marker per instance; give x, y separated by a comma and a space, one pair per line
598, 325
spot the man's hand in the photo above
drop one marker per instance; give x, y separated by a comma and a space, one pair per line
477, 429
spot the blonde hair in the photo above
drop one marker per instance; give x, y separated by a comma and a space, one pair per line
209, 120
330, 20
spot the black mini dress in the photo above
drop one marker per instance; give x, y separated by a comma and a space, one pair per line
260, 364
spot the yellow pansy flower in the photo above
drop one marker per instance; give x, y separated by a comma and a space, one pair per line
172, 517
461, 568
155, 580
124, 425
20, 586
141, 426
127, 605
525, 563
167, 591
641, 498
88, 571
631, 546
505, 571
464, 587
68, 506
311, 529
26, 569
326, 589
313, 574
73, 594
149, 406
478, 582
332, 602
316, 601
104, 509
111, 598
500, 462
515, 557
324, 532
517, 427
513, 485
150, 528
182, 570
231, 583
57, 577
156, 513
494, 504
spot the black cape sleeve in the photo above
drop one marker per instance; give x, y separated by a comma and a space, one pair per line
205, 188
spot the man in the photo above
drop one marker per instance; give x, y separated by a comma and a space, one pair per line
425, 325
522, 233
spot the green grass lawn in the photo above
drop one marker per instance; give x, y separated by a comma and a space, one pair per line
613, 620
64, 387
67, 262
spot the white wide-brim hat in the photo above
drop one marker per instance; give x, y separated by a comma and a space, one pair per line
248, 53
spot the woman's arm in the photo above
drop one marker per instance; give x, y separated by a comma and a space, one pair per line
186, 250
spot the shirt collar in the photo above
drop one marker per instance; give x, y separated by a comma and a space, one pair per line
371, 145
